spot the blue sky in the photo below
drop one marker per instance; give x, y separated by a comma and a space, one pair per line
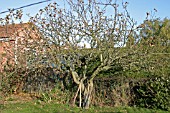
137, 8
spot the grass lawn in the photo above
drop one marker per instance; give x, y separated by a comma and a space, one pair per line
53, 107
24, 104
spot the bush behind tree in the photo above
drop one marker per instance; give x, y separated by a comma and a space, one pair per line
154, 93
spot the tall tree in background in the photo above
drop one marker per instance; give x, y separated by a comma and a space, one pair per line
154, 42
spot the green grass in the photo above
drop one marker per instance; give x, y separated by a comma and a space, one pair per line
34, 107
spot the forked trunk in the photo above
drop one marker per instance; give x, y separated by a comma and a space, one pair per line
87, 94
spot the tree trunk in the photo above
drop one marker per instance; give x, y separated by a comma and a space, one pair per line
87, 94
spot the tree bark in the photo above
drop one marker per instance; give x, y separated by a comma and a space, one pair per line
87, 95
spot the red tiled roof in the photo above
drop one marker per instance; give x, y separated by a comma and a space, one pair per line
11, 29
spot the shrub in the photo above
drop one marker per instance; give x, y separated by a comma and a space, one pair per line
154, 93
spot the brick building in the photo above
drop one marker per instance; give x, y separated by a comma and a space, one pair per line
14, 40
